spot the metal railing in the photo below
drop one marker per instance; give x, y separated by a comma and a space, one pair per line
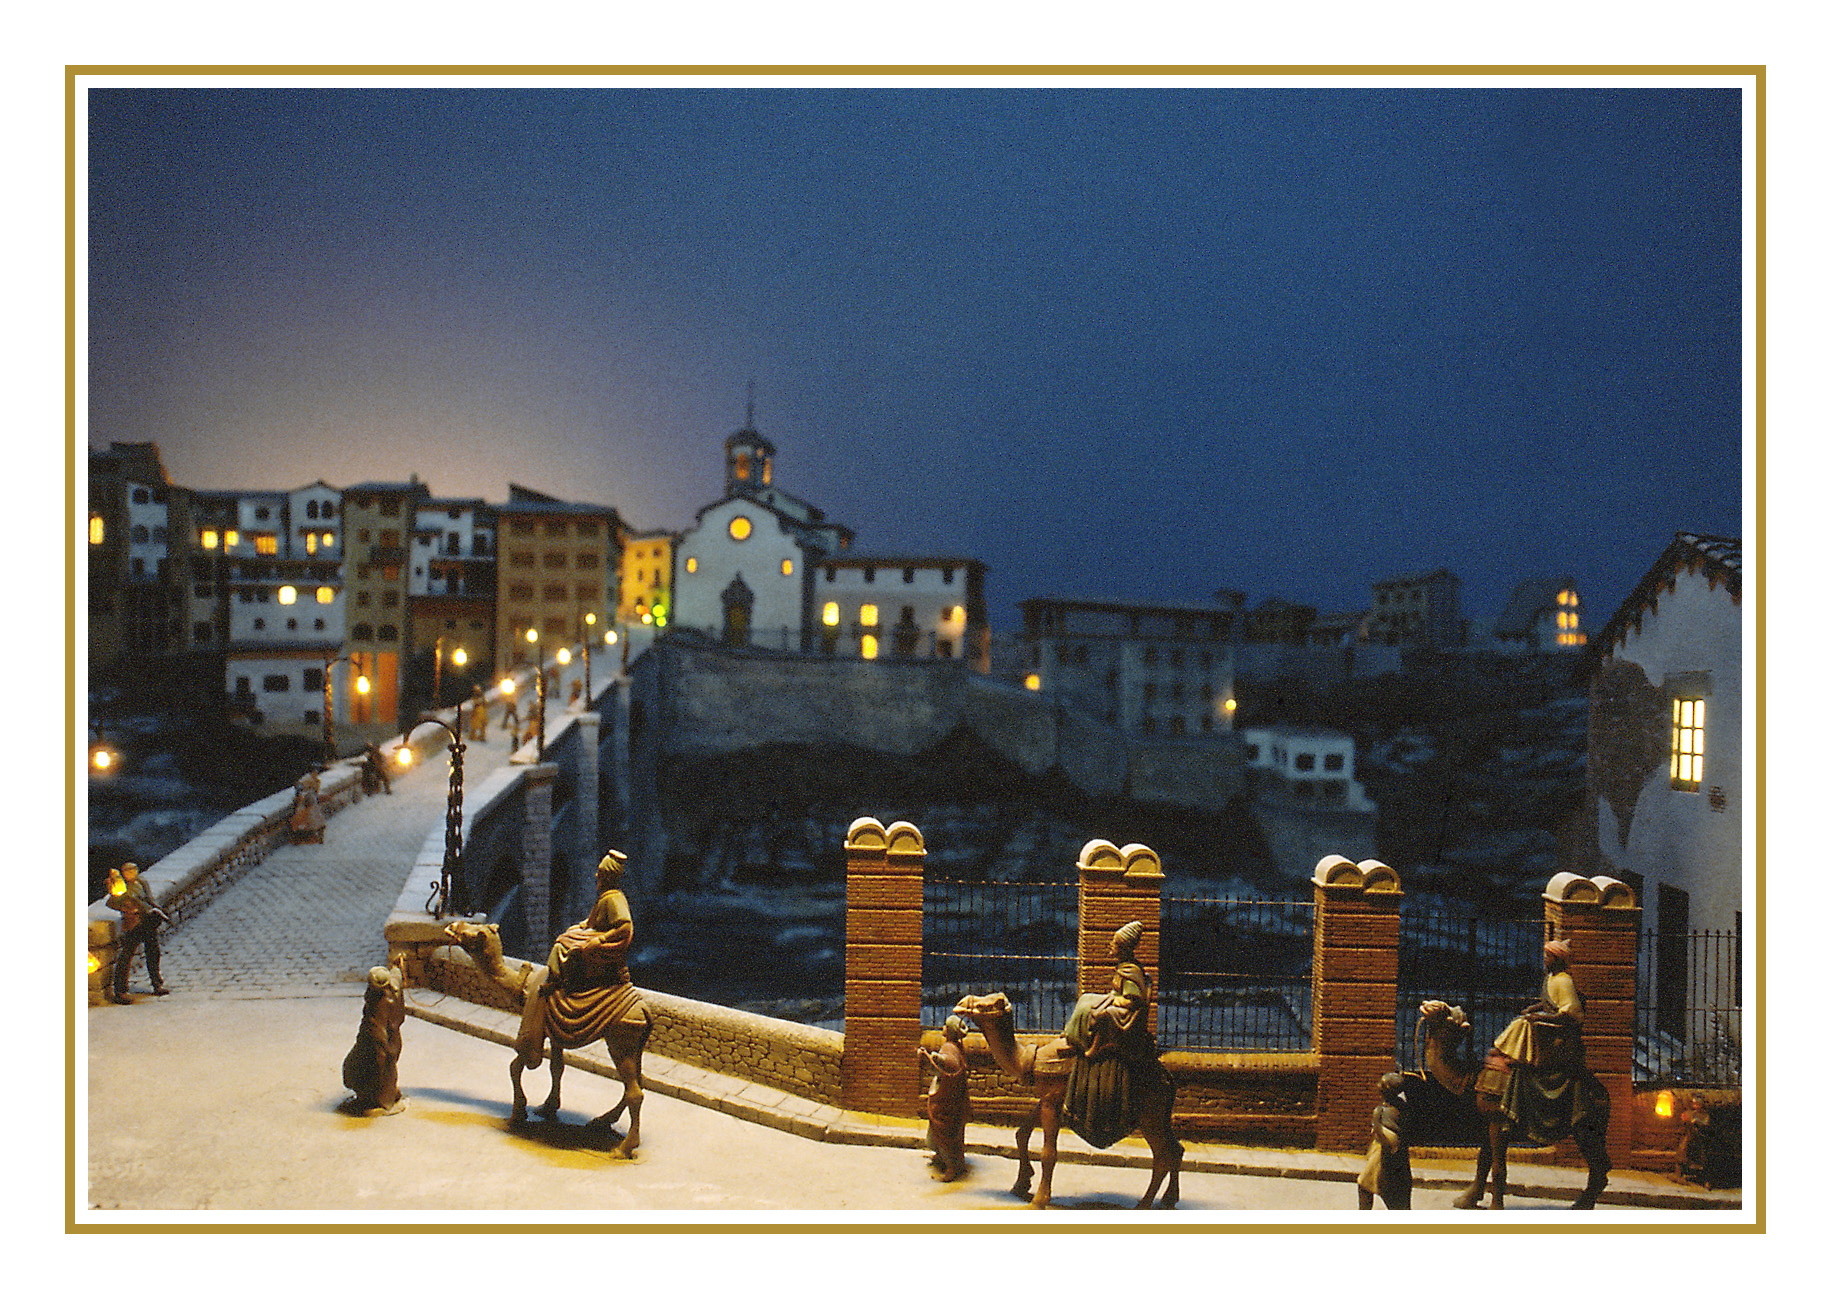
1491, 968
1687, 1016
1236, 974
1021, 939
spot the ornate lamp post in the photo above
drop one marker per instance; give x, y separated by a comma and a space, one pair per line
330, 730
448, 895
533, 638
590, 630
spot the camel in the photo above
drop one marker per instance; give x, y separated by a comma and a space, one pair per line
1045, 1068
1448, 1064
614, 1014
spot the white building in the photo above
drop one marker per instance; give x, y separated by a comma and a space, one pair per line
744, 571
278, 556
1665, 738
1308, 765
887, 606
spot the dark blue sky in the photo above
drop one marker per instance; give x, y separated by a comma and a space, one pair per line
1129, 343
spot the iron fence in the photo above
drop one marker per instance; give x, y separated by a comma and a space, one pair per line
1687, 1019
1021, 939
1235, 974
1490, 967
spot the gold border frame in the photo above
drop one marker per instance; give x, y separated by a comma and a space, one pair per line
1756, 236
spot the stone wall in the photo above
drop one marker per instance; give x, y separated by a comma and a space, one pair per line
794, 1058
701, 700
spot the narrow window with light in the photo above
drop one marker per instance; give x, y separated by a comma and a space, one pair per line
1687, 744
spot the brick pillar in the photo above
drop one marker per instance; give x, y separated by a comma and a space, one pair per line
1356, 994
879, 1072
1117, 886
1600, 919
537, 853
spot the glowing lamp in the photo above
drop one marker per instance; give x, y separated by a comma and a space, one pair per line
647, 618
362, 684
404, 756
1664, 1105
590, 620
1232, 705
533, 635
458, 657
508, 685
95, 962
609, 638
1032, 682
563, 657
117, 886
101, 758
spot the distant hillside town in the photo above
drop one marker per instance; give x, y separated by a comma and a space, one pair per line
383, 591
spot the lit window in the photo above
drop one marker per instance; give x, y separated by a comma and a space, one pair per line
787, 568
867, 647
957, 613
289, 594
311, 543
231, 538
740, 528
742, 470
95, 530
208, 538
692, 564
867, 615
326, 595
1687, 744
830, 614
266, 543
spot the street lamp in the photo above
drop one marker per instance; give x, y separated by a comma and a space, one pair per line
458, 659
590, 625
103, 756
449, 893
362, 688
533, 638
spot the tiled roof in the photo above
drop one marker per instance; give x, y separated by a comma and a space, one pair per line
1718, 559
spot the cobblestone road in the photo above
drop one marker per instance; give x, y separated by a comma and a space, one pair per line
307, 922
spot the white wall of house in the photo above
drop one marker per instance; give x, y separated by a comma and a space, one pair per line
1308, 755
770, 560
858, 600
1689, 840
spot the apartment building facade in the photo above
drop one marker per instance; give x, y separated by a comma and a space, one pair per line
556, 562
1150, 669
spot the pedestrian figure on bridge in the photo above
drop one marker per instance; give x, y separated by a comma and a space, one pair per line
307, 823
140, 921
479, 714
375, 772
511, 720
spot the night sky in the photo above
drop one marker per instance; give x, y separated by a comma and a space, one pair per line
1132, 343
